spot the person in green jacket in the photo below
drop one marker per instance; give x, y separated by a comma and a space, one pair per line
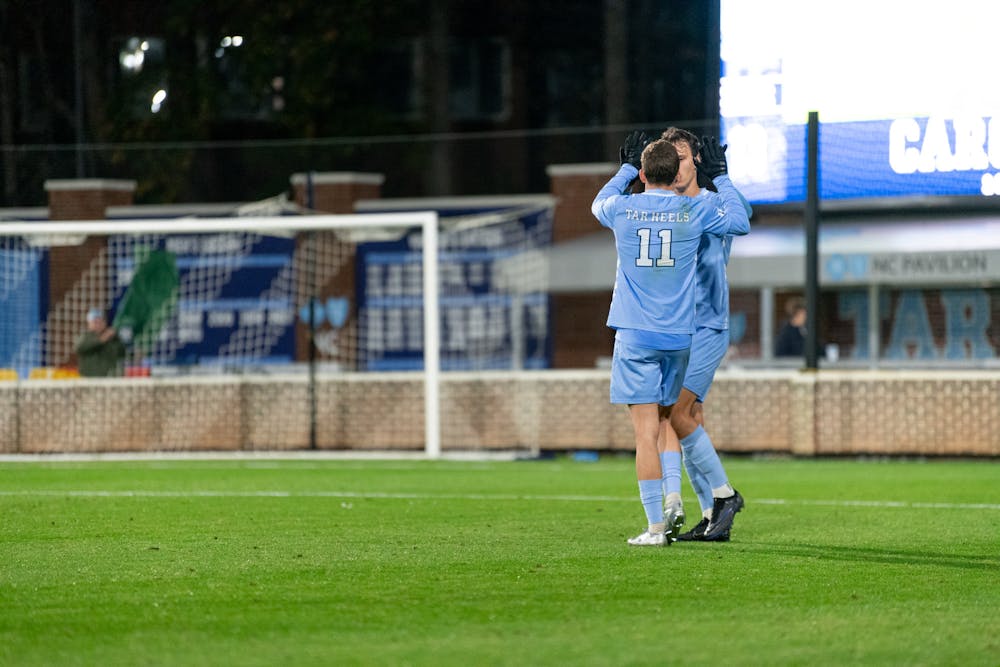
99, 349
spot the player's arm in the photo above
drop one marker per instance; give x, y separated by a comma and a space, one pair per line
734, 215
630, 155
746, 204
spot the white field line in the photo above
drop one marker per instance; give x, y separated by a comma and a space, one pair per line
268, 455
376, 495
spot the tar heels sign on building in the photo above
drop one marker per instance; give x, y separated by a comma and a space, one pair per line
963, 332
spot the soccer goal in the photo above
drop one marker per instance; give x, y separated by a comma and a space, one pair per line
274, 333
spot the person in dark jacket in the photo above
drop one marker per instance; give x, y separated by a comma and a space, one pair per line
99, 349
791, 341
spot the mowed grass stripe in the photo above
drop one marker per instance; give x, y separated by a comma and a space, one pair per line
375, 495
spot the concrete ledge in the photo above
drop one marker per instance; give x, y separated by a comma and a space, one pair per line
338, 178
95, 184
582, 169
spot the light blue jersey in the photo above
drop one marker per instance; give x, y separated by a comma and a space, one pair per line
711, 338
657, 234
712, 285
712, 290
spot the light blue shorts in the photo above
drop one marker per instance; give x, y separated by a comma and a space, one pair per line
641, 375
708, 349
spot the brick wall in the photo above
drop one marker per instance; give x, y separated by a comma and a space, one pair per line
821, 413
579, 331
575, 186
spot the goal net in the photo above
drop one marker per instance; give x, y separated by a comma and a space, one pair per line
284, 332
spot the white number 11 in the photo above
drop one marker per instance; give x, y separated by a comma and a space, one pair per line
644, 259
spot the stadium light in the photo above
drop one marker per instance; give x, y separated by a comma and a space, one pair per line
158, 99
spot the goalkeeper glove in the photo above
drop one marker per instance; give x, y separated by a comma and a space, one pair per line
713, 158
631, 151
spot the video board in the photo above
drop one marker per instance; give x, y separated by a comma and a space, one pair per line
905, 92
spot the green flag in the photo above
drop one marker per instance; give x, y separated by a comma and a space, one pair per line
150, 298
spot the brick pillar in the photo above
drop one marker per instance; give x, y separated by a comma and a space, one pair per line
336, 191
579, 337
77, 276
333, 193
87, 199
575, 186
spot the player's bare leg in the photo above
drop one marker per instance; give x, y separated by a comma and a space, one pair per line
646, 425
701, 455
669, 448
697, 412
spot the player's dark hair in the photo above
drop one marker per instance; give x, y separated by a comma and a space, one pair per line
660, 162
675, 134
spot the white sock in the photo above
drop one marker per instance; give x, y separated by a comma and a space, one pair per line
657, 528
724, 491
673, 499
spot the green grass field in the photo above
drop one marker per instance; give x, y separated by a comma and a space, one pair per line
349, 562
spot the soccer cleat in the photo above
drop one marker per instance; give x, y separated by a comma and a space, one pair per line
723, 512
648, 539
696, 534
721, 538
674, 515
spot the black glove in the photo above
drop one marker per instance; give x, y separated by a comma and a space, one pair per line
704, 181
631, 151
713, 158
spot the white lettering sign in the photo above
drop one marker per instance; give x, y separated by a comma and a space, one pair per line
930, 151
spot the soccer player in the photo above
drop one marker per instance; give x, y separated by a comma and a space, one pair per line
719, 501
657, 234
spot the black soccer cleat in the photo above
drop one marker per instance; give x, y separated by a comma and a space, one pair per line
721, 538
696, 534
723, 512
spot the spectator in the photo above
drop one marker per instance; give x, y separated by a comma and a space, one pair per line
99, 349
791, 340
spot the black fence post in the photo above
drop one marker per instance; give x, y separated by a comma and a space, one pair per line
812, 241
313, 296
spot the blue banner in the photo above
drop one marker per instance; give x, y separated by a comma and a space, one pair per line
485, 323
23, 302
903, 157
232, 306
